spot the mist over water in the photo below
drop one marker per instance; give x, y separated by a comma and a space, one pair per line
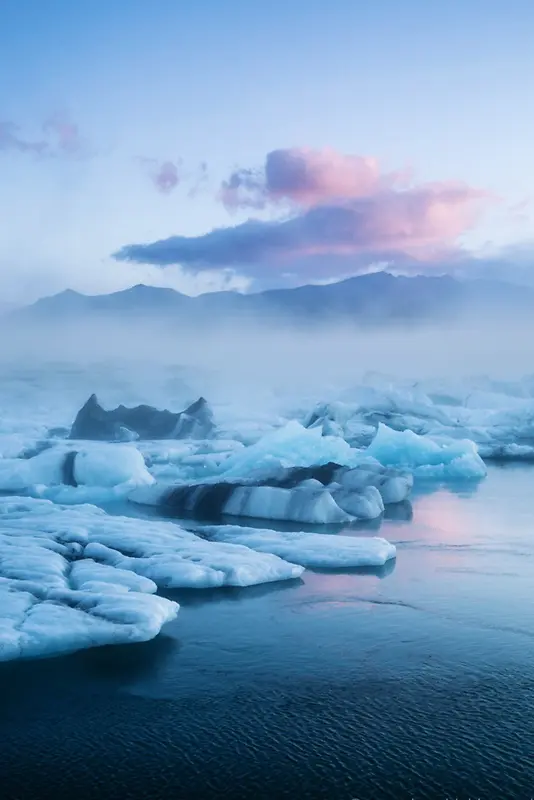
258, 357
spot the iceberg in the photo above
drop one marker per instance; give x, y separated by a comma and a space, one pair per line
393, 485
142, 422
427, 457
211, 501
327, 493
292, 445
312, 550
498, 416
98, 472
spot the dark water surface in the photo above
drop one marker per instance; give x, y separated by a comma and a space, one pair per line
414, 682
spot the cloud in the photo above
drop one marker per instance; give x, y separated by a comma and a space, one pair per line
10, 139
59, 137
167, 177
419, 225
199, 180
63, 134
306, 177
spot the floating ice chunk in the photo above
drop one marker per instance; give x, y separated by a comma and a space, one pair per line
96, 472
52, 603
145, 422
506, 452
290, 446
294, 505
17, 474
394, 486
366, 504
47, 621
210, 501
195, 563
309, 549
111, 465
366, 488
72, 578
427, 457
124, 542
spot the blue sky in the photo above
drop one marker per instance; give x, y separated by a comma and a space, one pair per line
442, 88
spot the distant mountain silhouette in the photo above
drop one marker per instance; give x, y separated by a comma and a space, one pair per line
376, 298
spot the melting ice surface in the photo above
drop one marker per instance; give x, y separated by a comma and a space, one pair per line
74, 576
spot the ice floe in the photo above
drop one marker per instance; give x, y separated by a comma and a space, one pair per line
76, 577
319, 550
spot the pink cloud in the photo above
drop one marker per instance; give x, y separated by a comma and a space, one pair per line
307, 177
164, 175
167, 177
420, 225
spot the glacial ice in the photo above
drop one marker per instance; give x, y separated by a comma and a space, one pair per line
365, 504
76, 577
425, 456
292, 445
313, 550
96, 473
210, 501
192, 563
498, 416
54, 600
142, 422
72, 576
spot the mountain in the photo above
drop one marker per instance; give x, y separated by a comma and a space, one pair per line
376, 298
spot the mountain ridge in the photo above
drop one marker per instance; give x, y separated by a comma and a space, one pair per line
375, 297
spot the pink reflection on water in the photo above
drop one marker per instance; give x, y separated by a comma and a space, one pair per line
443, 518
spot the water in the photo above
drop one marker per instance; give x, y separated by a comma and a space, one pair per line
415, 681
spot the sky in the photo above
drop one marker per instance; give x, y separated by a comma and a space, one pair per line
244, 145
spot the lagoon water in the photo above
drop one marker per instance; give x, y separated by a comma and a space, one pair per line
414, 681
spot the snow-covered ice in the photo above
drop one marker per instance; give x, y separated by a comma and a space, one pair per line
319, 550
97, 473
72, 578
55, 600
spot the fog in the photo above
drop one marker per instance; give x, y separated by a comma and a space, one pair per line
244, 360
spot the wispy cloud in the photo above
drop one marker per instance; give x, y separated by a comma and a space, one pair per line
59, 136
199, 180
168, 175
11, 139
